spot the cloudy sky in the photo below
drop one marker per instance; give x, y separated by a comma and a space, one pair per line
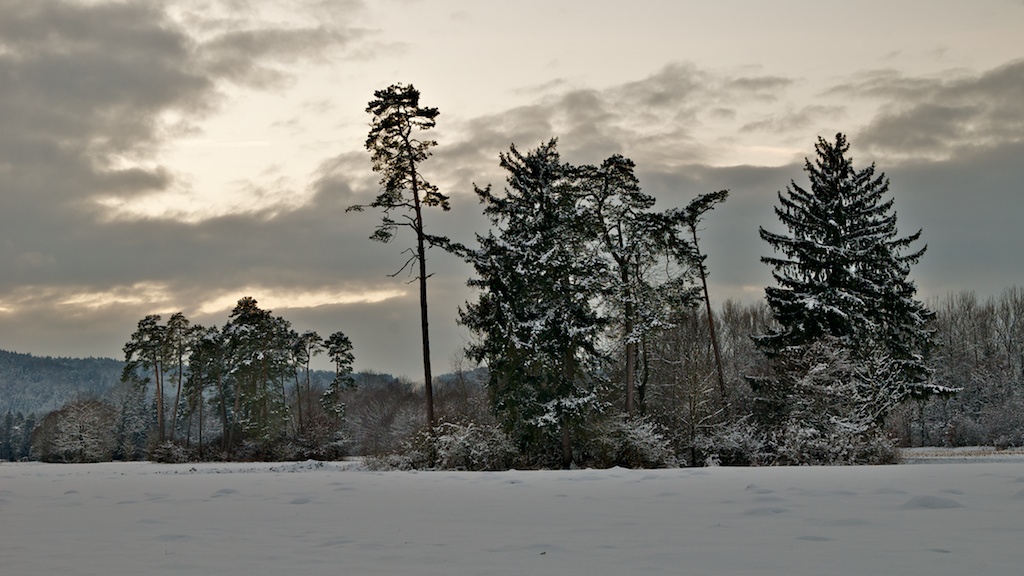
178, 155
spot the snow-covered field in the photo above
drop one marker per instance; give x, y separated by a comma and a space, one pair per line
962, 518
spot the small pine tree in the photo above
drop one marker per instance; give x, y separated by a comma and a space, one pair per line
339, 349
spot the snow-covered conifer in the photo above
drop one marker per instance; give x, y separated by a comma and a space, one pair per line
536, 321
843, 276
843, 270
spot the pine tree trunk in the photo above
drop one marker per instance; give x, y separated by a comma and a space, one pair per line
177, 399
298, 398
566, 443
641, 389
630, 370
711, 321
428, 384
224, 425
200, 402
309, 407
630, 325
158, 376
421, 255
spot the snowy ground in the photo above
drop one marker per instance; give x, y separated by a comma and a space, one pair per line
962, 518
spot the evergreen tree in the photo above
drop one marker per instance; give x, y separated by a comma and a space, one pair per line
6, 437
339, 350
28, 426
146, 353
134, 420
631, 236
305, 347
178, 335
536, 323
650, 264
843, 290
843, 271
258, 359
206, 370
397, 152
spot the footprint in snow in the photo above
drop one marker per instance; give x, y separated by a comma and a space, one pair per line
764, 511
930, 503
842, 522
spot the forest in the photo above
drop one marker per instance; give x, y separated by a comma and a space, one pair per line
594, 340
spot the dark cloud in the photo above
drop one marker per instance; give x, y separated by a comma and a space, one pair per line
80, 84
969, 209
252, 56
939, 117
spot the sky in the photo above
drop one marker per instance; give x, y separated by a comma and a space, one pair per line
178, 155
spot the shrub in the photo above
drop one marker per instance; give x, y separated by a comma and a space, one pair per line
736, 444
472, 447
451, 447
632, 443
171, 453
81, 431
801, 445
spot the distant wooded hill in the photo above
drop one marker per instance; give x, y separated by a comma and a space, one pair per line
36, 385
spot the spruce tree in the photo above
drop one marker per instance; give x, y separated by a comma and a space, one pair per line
842, 274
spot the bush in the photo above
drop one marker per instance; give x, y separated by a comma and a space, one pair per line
398, 461
801, 445
736, 444
329, 447
632, 443
81, 431
172, 453
452, 447
472, 447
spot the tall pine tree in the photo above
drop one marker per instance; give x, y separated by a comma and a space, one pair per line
397, 149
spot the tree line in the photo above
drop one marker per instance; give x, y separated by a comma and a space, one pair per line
596, 337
